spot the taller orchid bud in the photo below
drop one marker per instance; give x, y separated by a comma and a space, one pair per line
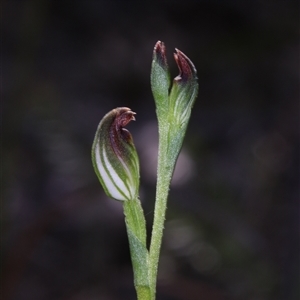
114, 156
173, 104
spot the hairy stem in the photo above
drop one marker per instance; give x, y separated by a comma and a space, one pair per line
164, 175
136, 231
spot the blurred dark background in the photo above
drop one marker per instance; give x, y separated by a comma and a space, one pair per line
232, 229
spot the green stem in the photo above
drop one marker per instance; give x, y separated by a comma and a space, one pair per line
135, 220
136, 231
164, 176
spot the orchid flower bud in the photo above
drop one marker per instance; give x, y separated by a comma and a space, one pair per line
114, 156
173, 105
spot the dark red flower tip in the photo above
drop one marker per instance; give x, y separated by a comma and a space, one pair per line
117, 133
159, 53
123, 116
187, 70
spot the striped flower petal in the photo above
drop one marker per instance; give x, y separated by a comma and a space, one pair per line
114, 156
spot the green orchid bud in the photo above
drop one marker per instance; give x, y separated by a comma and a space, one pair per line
174, 106
114, 156
173, 109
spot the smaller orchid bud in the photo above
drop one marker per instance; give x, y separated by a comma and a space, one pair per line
114, 156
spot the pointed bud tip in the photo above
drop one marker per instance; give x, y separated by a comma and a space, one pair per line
123, 115
159, 54
187, 70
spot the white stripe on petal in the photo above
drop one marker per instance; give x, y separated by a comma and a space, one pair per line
118, 182
112, 186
